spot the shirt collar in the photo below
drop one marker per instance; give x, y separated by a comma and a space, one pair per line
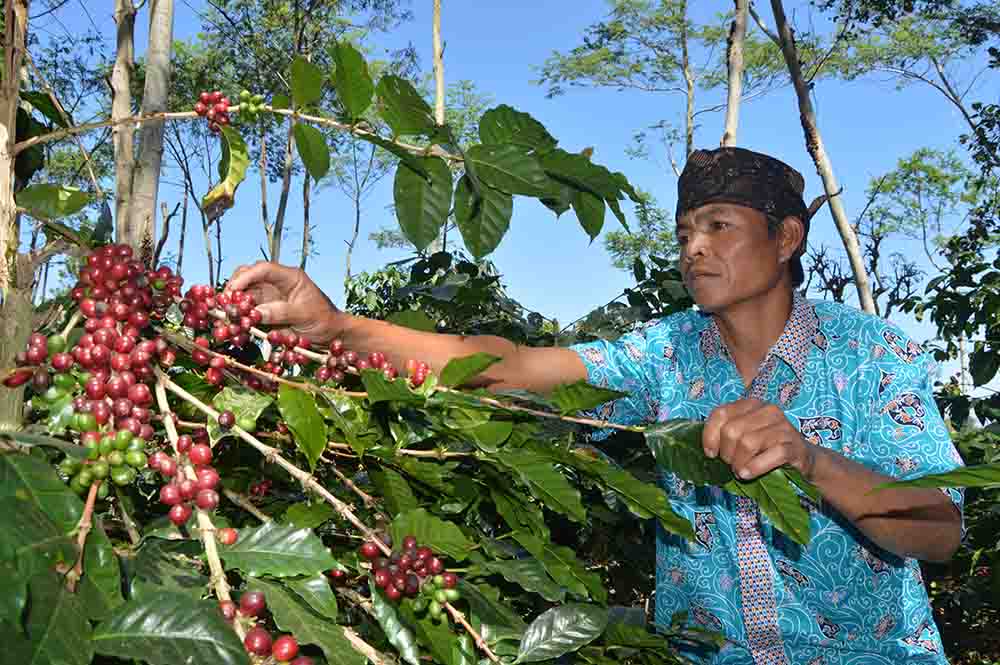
792, 347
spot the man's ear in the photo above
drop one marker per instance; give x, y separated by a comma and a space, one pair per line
791, 235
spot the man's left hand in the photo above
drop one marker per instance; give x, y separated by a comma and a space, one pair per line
754, 437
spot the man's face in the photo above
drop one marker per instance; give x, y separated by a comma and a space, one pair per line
727, 255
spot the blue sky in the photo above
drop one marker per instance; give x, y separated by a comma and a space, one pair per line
549, 264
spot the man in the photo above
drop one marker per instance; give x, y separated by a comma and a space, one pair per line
841, 396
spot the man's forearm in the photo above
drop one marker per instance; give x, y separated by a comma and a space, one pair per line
920, 523
537, 369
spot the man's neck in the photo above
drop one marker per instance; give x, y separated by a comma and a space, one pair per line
751, 328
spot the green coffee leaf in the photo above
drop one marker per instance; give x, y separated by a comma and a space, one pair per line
56, 625
483, 219
307, 82
313, 149
232, 171
278, 550
381, 389
292, 616
406, 112
162, 564
398, 635
354, 84
395, 491
589, 211
563, 566
316, 591
544, 481
460, 370
778, 501
510, 168
982, 475
441, 536
48, 201
561, 630
422, 203
245, 404
504, 124
676, 445
299, 410
308, 515
44, 105
581, 396
530, 575
169, 628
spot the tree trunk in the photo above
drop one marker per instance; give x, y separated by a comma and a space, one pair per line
184, 224
286, 186
146, 180
438, 66
121, 107
814, 144
15, 329
354, 237
734, 58
306, 240
689, 81
15, 34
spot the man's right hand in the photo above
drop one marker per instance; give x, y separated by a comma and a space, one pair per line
286, 297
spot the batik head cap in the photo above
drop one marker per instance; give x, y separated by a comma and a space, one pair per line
747, 178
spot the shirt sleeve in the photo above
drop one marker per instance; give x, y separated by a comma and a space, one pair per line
623, 365
906, 436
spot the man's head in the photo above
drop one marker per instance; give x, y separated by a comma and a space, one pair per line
742, 225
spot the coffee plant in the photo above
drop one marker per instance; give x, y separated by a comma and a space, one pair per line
190, 487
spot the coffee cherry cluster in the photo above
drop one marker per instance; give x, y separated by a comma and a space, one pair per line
214, 107
340, 359
180, 492
117, 455
250, 105
258, 640
283, 354
413, 571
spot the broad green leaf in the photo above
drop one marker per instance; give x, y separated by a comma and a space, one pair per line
13, 594
399, 636
354, 84
291, 616
463, 651
413, 318
410, 159
483, 219
308, 515
489, 436
280, 101
778, 501
312, 147
56, 624
403, 108
60, 415
441, 536
579, 172
530, 575
167, 565
243, 403
644, 499
31, 539
169, 628
436, 637
984, 364
422, 203
395, 491
48, 201
460, 370
381, 389
517, 510
580, 396
299, 410
236, 159
307, 82
589, 211
36, 481
676, 445
982, 475
510, 168
44, 105
563, 566
316, 591
505, 124
545, 482
561, 630
32, 439
493, 616
804, 485
435, 475
278, 550
616, 208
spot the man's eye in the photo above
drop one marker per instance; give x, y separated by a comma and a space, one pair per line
720, 226
682, 240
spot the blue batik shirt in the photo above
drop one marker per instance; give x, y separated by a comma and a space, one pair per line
848, 381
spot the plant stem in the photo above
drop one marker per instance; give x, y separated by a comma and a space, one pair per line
480, 642
434, 454
133, 533
73, 320
243, 502
272, 456
205, 526
82, 531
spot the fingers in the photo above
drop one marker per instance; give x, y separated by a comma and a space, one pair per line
711, 438
281, 277
767, 460
277, 313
